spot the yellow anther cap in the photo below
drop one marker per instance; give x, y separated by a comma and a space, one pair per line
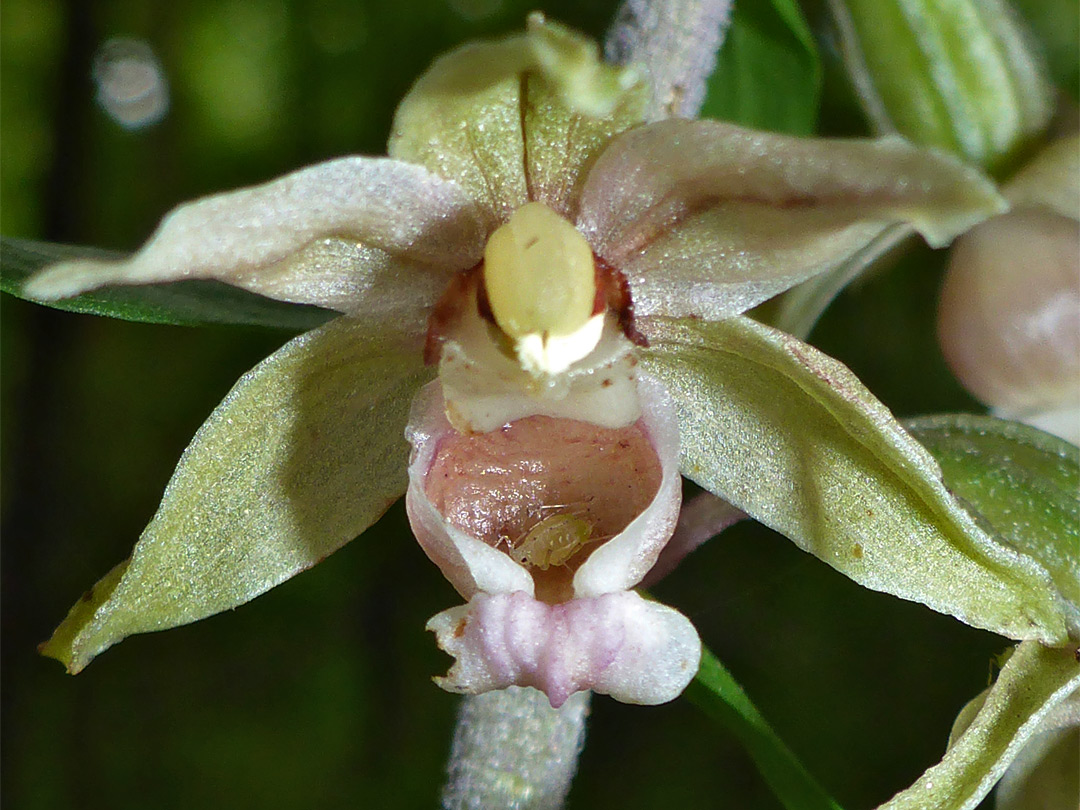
541, 285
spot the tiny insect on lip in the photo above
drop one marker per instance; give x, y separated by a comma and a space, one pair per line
552, 541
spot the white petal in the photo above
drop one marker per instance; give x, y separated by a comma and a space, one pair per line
470, 564
623, 561
338, 234
617, 644
708, 219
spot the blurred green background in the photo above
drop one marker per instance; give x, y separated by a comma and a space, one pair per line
319, 694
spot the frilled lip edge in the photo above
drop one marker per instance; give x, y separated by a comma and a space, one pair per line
606, 638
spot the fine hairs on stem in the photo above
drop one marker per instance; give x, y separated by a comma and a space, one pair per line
512, 750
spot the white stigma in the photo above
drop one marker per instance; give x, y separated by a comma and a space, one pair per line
553, 354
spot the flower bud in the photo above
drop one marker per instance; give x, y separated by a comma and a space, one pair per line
1009, 317
962, 75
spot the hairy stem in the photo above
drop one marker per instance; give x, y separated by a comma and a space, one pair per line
512, 750
675, 43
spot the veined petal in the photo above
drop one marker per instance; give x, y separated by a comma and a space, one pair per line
303, 454
561, 144
623, 561
708, 219
347, 234
617, 644
462, 120
792, 437
468, 118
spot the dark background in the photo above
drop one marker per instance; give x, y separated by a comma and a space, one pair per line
318, 694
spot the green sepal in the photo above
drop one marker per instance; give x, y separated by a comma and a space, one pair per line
303, 454
1031, 685
1020, 483
465, 118
791, 437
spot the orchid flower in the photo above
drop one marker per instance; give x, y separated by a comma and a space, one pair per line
574, 278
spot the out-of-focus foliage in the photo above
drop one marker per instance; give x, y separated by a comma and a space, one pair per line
717, 694
1054, 24
767, 75
318, 694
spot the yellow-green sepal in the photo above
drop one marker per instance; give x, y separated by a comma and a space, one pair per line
791, 437
470, 117
303, 454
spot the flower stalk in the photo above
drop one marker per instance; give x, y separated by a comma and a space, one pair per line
512, 750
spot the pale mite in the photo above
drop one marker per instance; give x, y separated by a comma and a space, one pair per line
552, 541
541, 284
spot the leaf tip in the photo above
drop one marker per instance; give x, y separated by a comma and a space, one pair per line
61, 652
76, 641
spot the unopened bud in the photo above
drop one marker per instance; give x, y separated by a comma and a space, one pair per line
962, 75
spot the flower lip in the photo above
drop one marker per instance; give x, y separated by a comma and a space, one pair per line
617, 644
548, 492
573, 508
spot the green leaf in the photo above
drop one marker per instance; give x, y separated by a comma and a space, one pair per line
768, 73
1019, 482
716, 693
791, 437
184, 303
1030, 686
961, 75
304, 453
